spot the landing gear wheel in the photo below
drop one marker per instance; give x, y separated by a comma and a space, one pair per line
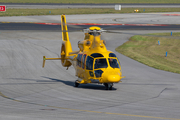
76, 83
108, 86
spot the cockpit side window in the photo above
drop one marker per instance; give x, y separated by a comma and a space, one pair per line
113, 63
100, 63
79, 60
89, 63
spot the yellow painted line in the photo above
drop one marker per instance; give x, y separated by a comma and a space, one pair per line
120, 114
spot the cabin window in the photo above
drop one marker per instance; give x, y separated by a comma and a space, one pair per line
79, 60
96, 55
100, 63
83, 61
89, 63
112, 55
113, 63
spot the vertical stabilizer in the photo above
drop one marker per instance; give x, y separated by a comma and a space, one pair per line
65, 36
66, 44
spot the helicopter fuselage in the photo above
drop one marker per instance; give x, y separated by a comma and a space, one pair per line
94, 63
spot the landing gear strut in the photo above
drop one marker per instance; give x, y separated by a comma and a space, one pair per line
108, 86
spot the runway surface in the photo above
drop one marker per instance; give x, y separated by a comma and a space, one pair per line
74, 27
28, 91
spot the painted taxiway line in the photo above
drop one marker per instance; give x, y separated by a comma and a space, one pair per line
89, 111
171, 14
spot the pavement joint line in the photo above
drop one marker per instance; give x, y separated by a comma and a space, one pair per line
89, 111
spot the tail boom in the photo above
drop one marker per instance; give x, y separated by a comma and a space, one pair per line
44, 60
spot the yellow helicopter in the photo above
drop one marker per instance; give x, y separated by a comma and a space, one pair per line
93, 63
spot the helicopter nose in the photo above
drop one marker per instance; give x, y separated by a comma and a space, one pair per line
111, 78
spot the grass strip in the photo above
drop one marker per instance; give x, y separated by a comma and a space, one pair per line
89, 1
69, 11
146, 50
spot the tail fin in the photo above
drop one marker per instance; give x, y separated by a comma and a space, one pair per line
66, 44
65, 36
66, 48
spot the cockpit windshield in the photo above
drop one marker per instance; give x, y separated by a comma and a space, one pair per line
113, 63
100, 63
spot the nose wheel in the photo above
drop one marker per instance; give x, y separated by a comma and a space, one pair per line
108, 86
76, 83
